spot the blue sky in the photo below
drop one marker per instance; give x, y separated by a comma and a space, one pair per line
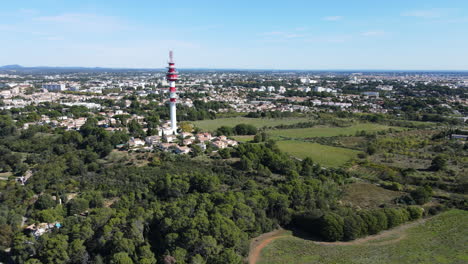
255, 34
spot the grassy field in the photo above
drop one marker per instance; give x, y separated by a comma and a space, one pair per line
324, 131
327, 156
211, 125
441, 239
4, 175
366, 195
243, 138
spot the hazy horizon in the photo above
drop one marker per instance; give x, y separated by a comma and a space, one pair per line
418, 35
240, 69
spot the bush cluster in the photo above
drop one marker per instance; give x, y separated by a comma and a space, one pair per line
350, 225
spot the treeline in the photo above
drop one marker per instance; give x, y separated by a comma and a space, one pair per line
330, 122
406, 121
346, 224
435, 90
271, 114
298, 125
33, 113
210, 105
240, 129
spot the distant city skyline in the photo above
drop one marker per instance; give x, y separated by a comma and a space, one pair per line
299, 35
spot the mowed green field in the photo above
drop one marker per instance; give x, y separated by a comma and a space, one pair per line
327, 156
211, 125
324, 131
243, 138
441, 239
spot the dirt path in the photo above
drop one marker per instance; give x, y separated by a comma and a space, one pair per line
262, 241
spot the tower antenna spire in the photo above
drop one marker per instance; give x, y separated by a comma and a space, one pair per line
171, 60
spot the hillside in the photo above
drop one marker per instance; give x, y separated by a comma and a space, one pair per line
441, 239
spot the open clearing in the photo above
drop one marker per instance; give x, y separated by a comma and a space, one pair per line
440, 239
366, 195
211, 125
319, 131
4, 175
327, 156
325, 131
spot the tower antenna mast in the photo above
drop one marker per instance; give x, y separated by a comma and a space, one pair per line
172, 76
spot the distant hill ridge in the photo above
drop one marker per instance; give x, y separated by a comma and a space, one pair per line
13, 66
67, 69
100, 69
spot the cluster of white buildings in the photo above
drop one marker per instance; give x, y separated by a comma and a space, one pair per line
182, 143
324, 89
214, 86
385, 87
308, 81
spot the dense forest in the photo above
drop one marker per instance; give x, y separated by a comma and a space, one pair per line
176, 209
171, 209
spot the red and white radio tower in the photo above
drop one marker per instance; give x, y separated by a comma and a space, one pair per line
172, 76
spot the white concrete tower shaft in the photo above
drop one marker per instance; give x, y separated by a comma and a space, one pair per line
173, 101
172, 76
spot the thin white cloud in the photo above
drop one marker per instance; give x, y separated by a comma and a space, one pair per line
373, 33
205, 28
333, 18
281, 34
293, 36
427, 13
330, 39
68, 18
273, 33
54, 38
84, 21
